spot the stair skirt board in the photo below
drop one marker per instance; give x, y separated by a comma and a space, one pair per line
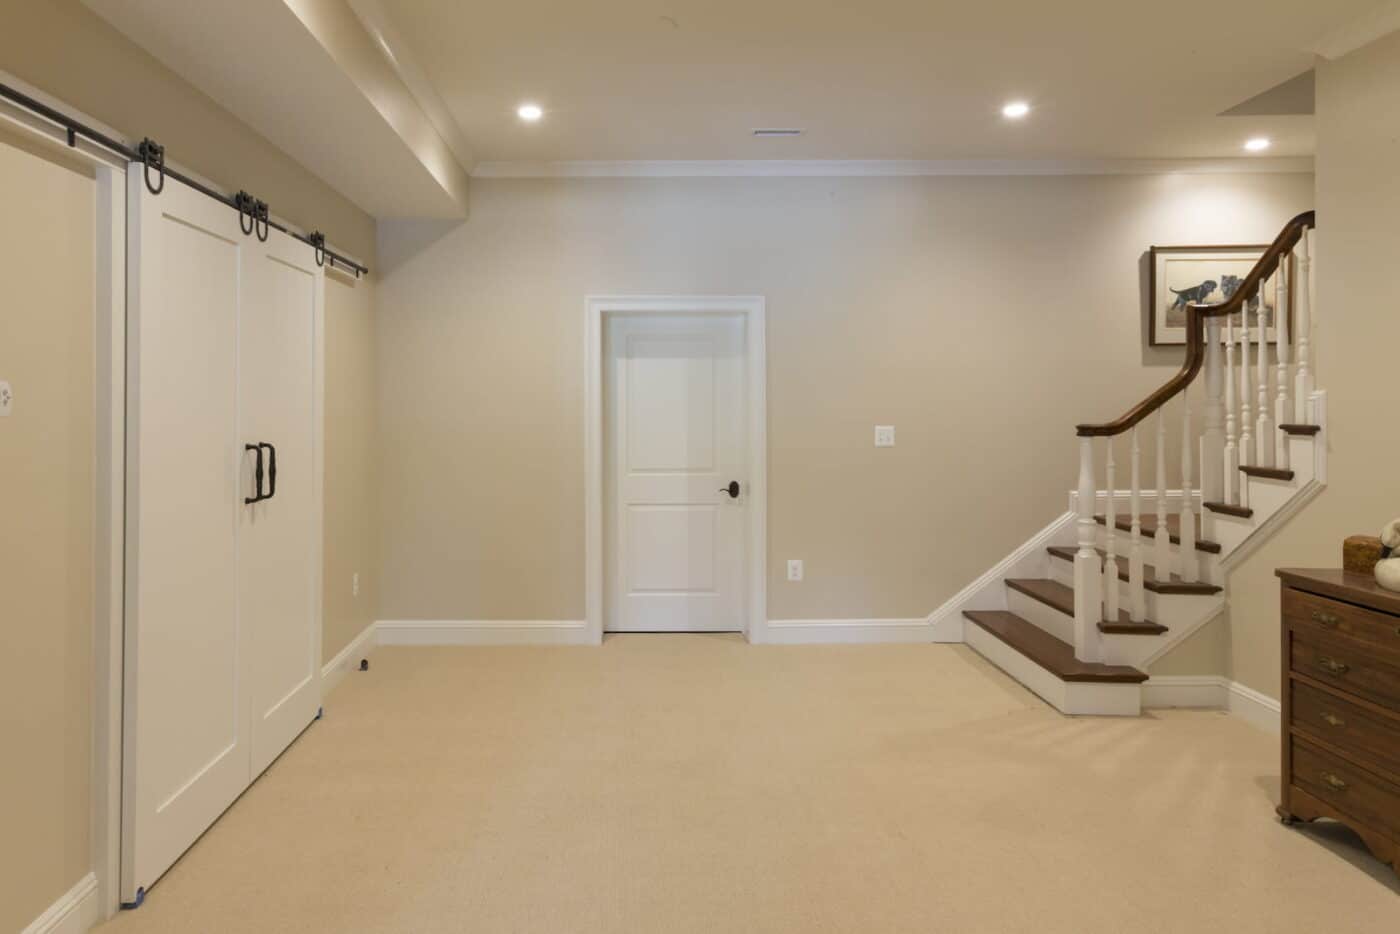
1068, 697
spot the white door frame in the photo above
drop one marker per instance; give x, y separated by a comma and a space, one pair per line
596, 307
109, 475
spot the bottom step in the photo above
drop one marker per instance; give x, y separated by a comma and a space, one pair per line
1047, 666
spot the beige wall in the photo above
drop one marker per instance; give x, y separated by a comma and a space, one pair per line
351, 491
46, 552
1358, 339
982, 316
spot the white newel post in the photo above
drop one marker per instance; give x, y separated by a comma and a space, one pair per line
1303, 388
1213, 419
1088, 571
1161, 539
1263, 430
1190, 567
1231, 456
1283, 408
1110, 565
1137, 599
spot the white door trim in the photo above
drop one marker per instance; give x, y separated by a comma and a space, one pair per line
752, 308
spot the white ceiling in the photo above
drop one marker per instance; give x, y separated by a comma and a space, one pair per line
878, 79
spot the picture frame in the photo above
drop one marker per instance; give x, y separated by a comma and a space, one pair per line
1181, 274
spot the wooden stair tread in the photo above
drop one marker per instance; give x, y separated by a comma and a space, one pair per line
1225, 509
1148, 523
1307, 430
1054, 655
1268, 473
1172, 585
1059, 597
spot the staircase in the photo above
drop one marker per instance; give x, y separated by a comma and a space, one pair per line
1077, 613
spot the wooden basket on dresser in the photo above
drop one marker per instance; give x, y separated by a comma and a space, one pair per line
1341, 705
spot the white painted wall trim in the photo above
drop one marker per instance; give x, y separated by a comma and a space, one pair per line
988, 592
75, 912
849, 631
1362, 30
1213, 692
483, 632
348, 658
753, 309
884, 168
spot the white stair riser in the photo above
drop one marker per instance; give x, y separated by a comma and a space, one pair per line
1229, 531
1046, 617
1112, 700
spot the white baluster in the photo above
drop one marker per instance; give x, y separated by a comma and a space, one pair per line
1088, 570
1246, 413
1137, 599
1161, 539
1190, 567
1283, 408
1263, 430
1303, 388
1213, 418
1232, 453
1110, 565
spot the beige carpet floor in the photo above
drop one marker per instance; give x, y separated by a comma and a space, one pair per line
699, 784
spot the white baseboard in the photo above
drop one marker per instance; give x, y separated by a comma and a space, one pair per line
74, 913
483, 632
1213, 692
1259, 709
1198, 691
348, 658
849, 631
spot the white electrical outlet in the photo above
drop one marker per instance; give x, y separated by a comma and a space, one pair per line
884, 436
795, 569
7, 396
355, 584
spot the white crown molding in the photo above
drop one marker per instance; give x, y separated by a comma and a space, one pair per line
1360, 31
887, 168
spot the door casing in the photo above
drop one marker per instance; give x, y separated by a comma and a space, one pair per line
596, 308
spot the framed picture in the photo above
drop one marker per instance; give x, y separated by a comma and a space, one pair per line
1179, 275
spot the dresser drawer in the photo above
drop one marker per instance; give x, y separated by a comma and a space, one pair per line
1351, 790
1348, 667
1351, 727
1307, 612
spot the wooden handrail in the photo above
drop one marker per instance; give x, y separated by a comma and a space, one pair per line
1196, 316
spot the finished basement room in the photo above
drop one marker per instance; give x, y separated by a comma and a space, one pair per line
615, 467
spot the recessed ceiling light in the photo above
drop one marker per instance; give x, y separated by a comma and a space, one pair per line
1015, 110
1258, 144
530, 113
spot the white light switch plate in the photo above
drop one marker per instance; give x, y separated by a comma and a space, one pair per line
7, 397
795, 569
884, 436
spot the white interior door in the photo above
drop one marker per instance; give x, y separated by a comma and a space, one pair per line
279, 590
186, 717
674, 398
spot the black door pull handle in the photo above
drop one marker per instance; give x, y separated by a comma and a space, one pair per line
271, 470
257, 475
732, 489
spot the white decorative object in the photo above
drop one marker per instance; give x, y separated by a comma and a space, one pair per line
1388, 569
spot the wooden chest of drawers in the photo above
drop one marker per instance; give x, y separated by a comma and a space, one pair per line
1341, 705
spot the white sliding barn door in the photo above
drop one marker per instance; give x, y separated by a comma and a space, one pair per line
186, 734
279, 546
223, 618
675, 431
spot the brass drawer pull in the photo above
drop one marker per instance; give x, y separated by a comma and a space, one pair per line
1332, 665
1326, 619
1333, 720
1333, 782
